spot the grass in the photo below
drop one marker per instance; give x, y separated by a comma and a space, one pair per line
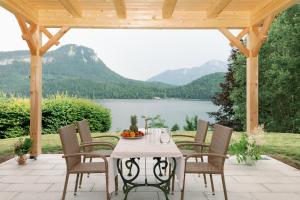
282, 146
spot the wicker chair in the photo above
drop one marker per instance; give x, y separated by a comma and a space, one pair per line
72, 154
86, 138
216, 157
199, 138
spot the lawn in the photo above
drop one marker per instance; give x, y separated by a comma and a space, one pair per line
282, 146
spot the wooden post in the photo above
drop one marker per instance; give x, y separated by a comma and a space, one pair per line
252, 83
36, 95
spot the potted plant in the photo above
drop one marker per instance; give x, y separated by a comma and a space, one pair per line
246, 150
21, 148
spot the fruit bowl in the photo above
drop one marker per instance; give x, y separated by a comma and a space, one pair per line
132, 135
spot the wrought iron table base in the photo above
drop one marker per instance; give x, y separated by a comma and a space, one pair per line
163, 183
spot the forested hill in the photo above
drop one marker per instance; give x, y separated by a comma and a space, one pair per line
78, 71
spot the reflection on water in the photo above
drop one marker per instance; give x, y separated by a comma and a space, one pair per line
171, 110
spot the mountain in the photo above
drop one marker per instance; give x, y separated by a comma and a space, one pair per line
77, 70
186, 75
205, 87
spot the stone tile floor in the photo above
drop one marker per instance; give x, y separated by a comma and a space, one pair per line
44, 179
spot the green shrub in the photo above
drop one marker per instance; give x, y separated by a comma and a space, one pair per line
57, 111
60, 110
14, 117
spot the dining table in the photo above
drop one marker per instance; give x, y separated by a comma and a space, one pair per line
129, 154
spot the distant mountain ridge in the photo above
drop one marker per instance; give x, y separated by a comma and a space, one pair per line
78, 71
187, 75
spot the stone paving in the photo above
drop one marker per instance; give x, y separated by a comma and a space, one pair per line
44, 179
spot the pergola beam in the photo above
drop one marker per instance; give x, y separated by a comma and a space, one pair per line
21, 8
168, 8
120, 8
53, 40
272, 8
217, 7
27, 33
73, 7
235, 41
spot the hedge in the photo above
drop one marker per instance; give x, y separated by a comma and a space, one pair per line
57, 111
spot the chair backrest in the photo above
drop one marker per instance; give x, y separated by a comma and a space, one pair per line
70, 144
219, 145
202, 127
85, 133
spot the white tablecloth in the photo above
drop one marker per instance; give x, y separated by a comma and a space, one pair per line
148, 146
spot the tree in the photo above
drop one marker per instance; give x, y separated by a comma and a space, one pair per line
225, 114
175, 127
191, 123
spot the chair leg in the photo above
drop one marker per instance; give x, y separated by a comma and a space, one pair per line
88, 175
81, 175
212, 184
204, 175
76, 184
106, 186
65, 186
224, 186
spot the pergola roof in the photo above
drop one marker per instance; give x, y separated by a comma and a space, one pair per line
146, 13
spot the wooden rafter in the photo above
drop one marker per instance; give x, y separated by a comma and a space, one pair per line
272, 8
262, 34
73, 7
168, 8
120, 8
48, 34
217, 7
18, 7
241, 35
235, 41
27, 33
53, 40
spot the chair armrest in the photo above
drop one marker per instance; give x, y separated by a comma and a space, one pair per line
181, 135
108, 136
192, 144
180, 142
91, 144
205, 154
86, 154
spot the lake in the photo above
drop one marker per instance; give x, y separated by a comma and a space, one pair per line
171, 110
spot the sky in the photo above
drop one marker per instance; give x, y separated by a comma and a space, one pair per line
137, 54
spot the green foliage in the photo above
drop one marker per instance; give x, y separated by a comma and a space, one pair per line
279, 72
14, 117
22, 146
225, 114
61, 110
191, 123
245, 149
175, 127
156, 122
133, 120
57, 111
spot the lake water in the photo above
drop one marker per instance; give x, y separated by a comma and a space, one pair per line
171, 110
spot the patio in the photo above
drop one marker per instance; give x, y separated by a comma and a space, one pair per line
44, 179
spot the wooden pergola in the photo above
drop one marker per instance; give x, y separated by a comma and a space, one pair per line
253, 17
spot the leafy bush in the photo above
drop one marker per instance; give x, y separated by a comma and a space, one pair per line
22, 146
191, 123
157, 122
175, 127
245, 150
57, 111
14, 117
